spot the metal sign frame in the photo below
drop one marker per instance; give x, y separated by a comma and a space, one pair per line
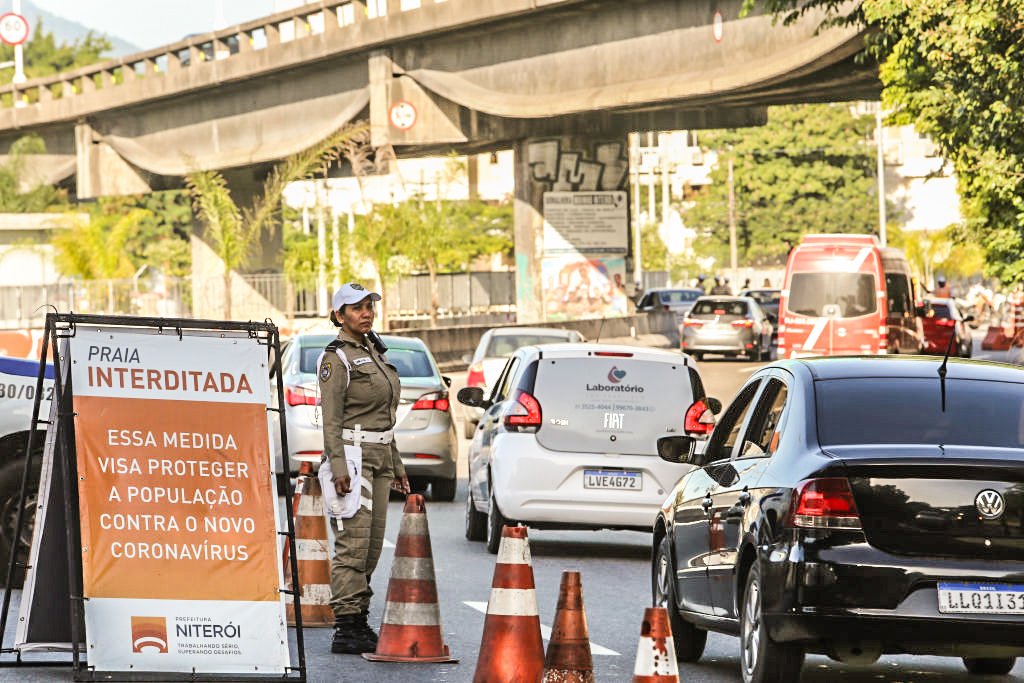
63, 326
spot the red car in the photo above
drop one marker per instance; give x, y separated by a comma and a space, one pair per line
942, 319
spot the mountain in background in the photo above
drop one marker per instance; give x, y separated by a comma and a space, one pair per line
65, 30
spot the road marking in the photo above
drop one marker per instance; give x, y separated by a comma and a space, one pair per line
545, 631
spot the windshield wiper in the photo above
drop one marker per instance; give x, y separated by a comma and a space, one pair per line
942, 368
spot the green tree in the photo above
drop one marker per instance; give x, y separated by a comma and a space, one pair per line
45, 56
955, 70
809, 169
380, 234
444, 235
233, 231
19, 196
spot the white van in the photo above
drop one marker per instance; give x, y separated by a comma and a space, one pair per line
568, 438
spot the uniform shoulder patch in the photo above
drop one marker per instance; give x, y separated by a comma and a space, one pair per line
325, 371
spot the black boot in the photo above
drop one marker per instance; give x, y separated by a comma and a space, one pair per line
349, 638
363, 626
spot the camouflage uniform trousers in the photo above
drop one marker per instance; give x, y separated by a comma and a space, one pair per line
357, 548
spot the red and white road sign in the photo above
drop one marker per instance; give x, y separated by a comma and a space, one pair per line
402, 115
13, 28
717, 26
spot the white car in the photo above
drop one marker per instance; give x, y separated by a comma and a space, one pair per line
568, 438
493, 350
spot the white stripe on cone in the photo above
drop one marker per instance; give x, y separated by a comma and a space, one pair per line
652, 661
414, 524
412, 614
310, 549
412, 568
316, 594
310, 506
513, 602
514, 551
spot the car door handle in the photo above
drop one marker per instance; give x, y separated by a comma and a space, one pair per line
744, 498
707, 503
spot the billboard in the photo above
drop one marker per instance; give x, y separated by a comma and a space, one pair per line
586, 223
576, 286
178, 511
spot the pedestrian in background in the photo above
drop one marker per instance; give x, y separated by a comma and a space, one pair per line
942, 290
360, 393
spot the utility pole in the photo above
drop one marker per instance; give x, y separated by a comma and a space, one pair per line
663, 166
880, 164
638, 265
732, 222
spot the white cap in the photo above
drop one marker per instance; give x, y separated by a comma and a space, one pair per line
351, 293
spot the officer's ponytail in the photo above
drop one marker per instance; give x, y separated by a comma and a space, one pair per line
335, 320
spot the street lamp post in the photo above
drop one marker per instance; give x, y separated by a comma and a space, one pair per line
880, 164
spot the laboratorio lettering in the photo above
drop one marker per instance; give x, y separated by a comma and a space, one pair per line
633, 388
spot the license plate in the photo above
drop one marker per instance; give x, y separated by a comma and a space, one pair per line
612, 479
981, 598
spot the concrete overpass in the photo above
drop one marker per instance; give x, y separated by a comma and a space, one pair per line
561, 81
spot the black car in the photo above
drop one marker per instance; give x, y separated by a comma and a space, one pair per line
852, 507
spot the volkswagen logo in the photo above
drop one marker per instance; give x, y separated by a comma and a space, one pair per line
990, 504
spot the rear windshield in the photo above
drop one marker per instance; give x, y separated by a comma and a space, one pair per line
410, 362
610, 405
909, 411
680, 296
504, 345
833, 295
769, 297
941, 310
719, 308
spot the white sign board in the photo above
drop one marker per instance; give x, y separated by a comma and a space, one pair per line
180, 562
586, 222
13, 28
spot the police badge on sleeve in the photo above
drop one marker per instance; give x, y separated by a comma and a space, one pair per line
325, 372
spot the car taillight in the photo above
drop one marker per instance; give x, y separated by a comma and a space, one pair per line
824, 504
475, 378
743, 323
299, 396
692, 322
946, 322
435, 401
695, 420
524, 414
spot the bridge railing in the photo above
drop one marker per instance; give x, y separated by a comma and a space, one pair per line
313, 19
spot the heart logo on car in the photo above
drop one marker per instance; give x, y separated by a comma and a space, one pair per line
615, 375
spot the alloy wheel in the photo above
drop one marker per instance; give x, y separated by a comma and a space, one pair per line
750, 636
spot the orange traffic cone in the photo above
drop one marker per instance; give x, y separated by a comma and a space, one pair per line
411, 628
311, 552
511, 650
656, 653
569, 659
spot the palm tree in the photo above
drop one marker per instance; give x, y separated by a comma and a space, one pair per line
233, 230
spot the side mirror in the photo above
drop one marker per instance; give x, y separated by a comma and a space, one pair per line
447, 380
471, 396
467, 358
677, 449
920, 311
772, 318
971, 321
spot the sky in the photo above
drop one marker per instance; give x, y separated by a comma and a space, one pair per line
152, 23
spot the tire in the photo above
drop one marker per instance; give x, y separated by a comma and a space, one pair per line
697, 355
443, 490
992, 666
10, 492
495, 522
762, 660
468, 428
476, 521
688, 639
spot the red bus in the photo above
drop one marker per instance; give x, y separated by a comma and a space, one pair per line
846, 294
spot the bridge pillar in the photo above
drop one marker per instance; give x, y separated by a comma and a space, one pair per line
101, 171
573, 262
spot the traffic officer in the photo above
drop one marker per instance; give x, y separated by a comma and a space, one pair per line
360, 393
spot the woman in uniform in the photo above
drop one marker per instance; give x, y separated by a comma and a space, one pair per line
360, 393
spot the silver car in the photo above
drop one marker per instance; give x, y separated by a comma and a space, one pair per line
729, 325
494, 349
425, 431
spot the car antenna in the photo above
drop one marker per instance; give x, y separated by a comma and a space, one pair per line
942, 369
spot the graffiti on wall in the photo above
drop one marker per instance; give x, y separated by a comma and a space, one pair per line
565, 170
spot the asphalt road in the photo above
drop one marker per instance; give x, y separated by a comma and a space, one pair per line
616, 587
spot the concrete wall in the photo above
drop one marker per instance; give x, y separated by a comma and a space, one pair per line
449, 344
